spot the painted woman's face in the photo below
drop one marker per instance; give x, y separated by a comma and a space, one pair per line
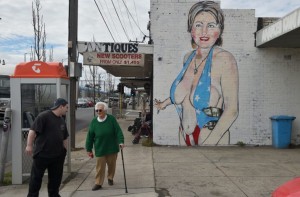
205, 30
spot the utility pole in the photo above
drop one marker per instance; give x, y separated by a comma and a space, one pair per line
72, 64
25, 56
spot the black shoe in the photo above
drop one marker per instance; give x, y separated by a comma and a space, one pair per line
96, 187
110, 182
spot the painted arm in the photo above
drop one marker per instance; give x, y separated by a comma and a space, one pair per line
161, 105
229, 85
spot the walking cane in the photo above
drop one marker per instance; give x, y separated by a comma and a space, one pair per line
124, 170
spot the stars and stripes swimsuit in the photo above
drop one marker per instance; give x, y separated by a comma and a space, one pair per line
200, 99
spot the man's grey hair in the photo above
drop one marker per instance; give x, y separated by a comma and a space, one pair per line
101, 103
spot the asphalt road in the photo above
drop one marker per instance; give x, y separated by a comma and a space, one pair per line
83, 117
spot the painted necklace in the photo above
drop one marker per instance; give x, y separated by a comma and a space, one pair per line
197, 67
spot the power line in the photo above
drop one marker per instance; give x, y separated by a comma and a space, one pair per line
120, 20
112, 19
136, 12
104, 21
122, 16
104, 14
130, 24
133, 19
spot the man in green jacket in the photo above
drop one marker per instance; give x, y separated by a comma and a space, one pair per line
106, 136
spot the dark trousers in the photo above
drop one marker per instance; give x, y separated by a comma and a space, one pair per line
55, 167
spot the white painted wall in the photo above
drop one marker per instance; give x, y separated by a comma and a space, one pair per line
268, 79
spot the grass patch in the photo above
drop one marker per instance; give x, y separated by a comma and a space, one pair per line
240, 143
7, 179
148, 142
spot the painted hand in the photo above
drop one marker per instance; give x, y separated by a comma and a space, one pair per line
159, 105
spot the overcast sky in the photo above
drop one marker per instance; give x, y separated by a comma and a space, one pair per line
16, 31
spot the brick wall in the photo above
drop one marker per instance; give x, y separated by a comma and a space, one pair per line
268, 78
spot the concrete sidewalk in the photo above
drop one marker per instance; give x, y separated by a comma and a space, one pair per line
179, 171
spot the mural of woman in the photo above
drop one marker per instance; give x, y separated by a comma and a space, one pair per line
205, 92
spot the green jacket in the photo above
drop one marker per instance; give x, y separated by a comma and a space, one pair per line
104, 136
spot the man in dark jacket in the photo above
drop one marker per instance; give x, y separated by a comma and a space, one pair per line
47, 143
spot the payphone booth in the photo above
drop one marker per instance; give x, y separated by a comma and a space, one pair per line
34, 88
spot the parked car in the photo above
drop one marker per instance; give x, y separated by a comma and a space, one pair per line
81, 102
90, 103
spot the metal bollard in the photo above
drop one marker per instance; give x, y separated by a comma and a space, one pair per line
4, 142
